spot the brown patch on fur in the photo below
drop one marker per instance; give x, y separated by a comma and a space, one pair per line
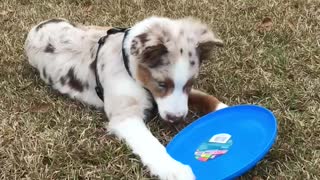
74, 82
151, 56
169, 86
93, 65
63, 80
145, 76
49, 48
202, 102
86, 85
134, 47
138, 43
204, 49
188, 86
143, 38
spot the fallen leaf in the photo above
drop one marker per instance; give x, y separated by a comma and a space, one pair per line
265, 25
40, 108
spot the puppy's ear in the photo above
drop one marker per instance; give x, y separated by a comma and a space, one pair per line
207, 41
148, 49
152, 55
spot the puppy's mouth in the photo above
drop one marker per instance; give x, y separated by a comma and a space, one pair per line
175, 121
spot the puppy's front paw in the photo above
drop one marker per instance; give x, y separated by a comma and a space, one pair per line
173, 170
221, 106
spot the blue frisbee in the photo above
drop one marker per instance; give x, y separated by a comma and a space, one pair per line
227, 143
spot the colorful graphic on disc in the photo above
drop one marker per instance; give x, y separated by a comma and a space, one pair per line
218, 145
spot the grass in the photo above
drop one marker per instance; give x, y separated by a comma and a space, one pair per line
271, 58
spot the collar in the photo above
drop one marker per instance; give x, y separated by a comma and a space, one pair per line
102, 40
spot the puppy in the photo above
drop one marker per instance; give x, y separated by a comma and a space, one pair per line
155, 62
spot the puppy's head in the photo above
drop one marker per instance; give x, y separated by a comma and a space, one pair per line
167, 55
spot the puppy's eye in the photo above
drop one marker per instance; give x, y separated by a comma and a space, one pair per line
162, 85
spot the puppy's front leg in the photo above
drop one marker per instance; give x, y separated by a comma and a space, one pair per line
125, 113
149, 149
203, 102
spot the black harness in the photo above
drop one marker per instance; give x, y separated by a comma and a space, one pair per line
99, 89
102, 40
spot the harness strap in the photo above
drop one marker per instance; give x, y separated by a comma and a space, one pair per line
99, 89
102, 40
124, 54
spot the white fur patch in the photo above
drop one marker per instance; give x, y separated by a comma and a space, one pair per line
221, 106
152, 153
176, 104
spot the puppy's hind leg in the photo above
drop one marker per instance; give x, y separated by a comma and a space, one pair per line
203, 102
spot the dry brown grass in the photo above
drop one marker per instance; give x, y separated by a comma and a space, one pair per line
275, 64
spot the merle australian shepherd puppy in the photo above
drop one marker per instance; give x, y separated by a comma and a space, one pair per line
127, 72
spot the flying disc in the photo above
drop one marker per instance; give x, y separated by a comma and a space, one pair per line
239, 137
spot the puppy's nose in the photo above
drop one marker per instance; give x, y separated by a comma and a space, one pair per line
174, 118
